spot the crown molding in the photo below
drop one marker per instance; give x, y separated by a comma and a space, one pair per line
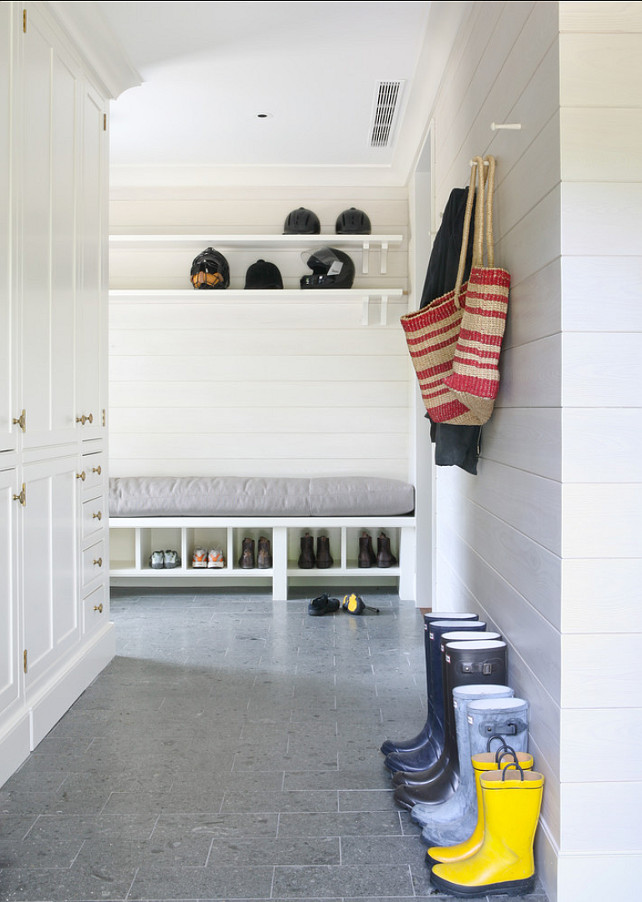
96, 44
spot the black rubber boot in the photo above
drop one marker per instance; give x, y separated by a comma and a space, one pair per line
481, 662
429, 751
409, 745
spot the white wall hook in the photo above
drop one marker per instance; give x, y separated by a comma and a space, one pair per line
515, 126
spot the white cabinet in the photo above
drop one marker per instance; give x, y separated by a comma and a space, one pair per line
53, 277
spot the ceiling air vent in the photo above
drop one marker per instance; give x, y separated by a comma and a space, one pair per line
386, 106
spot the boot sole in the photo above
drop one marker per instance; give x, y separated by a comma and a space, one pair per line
508, 887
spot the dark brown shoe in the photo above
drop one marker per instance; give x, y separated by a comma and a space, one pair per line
264, 557
306, 558
246, 561
367, 557
385, 557
324, 558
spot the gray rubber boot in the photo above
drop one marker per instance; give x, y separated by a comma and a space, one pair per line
507, 718
463, 696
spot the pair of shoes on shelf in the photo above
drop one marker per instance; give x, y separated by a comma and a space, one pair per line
307, 559
248, 560
164, 560
384, 556
211, 559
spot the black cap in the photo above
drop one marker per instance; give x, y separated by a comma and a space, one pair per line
262, 275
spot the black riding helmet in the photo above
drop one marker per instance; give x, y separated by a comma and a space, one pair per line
331, 268
302, 222
210, 270
353, 222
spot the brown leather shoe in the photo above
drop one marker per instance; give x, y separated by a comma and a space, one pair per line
246, 561
264, 557
385, 557
324, 558
306, 558
367, 557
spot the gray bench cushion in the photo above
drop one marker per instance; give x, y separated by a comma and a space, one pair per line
234, 496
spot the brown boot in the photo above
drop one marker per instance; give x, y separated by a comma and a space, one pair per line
264, 558
306, 558
246, 561
385, 558
324, 558
367, 557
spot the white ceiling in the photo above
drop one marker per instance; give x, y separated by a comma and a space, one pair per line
208, 69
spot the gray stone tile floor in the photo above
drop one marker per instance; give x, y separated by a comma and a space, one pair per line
230, 751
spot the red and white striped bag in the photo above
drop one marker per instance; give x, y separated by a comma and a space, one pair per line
474, 378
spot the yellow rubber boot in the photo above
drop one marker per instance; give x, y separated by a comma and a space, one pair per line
482, 763
504, 863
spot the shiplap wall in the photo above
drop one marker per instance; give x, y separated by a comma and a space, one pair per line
601, 160
545, 541
262, 387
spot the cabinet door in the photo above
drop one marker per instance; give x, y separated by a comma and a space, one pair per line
48, 142
9, 621
49, 563
7, 400
91, 311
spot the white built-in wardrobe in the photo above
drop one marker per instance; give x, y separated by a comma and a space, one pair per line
55, 634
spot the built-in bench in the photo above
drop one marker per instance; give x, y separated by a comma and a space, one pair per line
183, 513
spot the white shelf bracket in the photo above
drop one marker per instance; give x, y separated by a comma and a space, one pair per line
384, 257
365, 258
383, 310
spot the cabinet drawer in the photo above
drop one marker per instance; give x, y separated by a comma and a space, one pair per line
93, 466
93, 562
96, 608
94, 516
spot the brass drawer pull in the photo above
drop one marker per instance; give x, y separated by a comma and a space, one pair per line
97, 469
85, 419
98, 562
99, 607
21, 420
97, 516
82, 475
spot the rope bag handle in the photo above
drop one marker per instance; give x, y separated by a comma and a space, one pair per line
466, 231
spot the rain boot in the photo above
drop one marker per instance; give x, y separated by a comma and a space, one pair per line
504, 863
481, 763
422, 776
455, 820
425, 755
409, 745
465, 663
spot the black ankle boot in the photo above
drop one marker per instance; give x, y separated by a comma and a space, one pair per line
324, 558
246, 561
367, 557
385, 557
264, 557
306, 558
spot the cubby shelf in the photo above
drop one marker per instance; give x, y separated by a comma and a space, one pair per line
133, 539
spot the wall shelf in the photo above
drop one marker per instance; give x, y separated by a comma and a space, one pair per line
367, 243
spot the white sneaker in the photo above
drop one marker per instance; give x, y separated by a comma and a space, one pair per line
156, 560
171, 559
199, 558
215, 558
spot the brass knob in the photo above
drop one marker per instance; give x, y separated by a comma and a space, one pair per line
90, 418
97, 469
21, 420
99, 562
99, 607
97, 516
81, 475
85, 419
22, 497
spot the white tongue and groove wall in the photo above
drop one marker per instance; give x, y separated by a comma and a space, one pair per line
264, 384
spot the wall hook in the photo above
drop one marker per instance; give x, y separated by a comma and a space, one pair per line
506, 125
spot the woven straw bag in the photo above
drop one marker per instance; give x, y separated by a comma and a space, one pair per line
475, 367
431, 336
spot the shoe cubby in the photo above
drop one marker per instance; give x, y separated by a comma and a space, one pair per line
132, 541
